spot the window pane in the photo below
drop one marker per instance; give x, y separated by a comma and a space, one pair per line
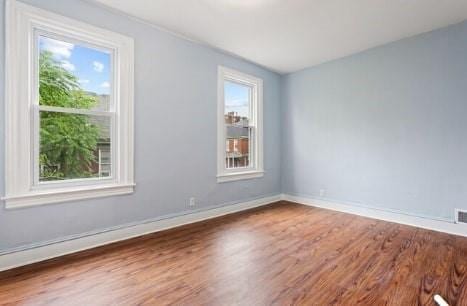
73, 75
237, 113
74, 146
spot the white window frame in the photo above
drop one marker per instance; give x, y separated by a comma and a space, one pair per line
255, 169
22, 187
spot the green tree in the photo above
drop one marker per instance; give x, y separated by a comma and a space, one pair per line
67, 141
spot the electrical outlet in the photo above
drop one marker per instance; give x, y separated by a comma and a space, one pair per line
322, 192
192, 202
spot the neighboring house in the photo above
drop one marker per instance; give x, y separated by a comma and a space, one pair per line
237, 145
103, 164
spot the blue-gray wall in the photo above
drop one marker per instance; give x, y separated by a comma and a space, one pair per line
385, 128
175, 144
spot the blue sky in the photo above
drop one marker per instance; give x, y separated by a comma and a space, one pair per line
236, 98
90, 66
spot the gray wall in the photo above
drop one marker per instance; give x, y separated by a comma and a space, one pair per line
385, 128
175, 144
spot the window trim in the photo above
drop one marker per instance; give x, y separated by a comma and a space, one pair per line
257, 170
22, 23
37, 32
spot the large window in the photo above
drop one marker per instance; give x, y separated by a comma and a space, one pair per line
69, 109
239, 126
75, 111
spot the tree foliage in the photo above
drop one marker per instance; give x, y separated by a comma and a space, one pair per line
67, 141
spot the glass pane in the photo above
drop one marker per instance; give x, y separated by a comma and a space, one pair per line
74, 146
238, 134
73, 76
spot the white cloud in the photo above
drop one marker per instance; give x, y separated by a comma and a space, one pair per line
98, 66
105, 85
68, 66
59, 49
237, 102
84, 81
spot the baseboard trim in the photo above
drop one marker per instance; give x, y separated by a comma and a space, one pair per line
49, 250
381, 214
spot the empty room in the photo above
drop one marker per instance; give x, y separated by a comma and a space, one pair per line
233, 152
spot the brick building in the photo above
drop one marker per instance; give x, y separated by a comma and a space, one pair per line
237, 145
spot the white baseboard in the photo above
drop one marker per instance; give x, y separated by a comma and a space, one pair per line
381, 214
70, 245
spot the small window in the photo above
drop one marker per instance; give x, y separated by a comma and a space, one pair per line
239, 126
69, 111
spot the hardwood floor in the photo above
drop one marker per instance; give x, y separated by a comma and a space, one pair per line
281, 254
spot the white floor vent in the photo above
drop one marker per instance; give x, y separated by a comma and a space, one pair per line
461, 216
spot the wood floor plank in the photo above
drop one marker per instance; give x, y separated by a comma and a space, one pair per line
280, 254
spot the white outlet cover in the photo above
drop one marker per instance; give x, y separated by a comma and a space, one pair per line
192, 202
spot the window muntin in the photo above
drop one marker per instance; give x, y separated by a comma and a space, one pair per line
239, 126
75, 110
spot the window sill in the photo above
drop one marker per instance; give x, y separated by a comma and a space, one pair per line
43, 197
236, 176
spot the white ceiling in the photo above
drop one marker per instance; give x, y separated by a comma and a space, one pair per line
289, 35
